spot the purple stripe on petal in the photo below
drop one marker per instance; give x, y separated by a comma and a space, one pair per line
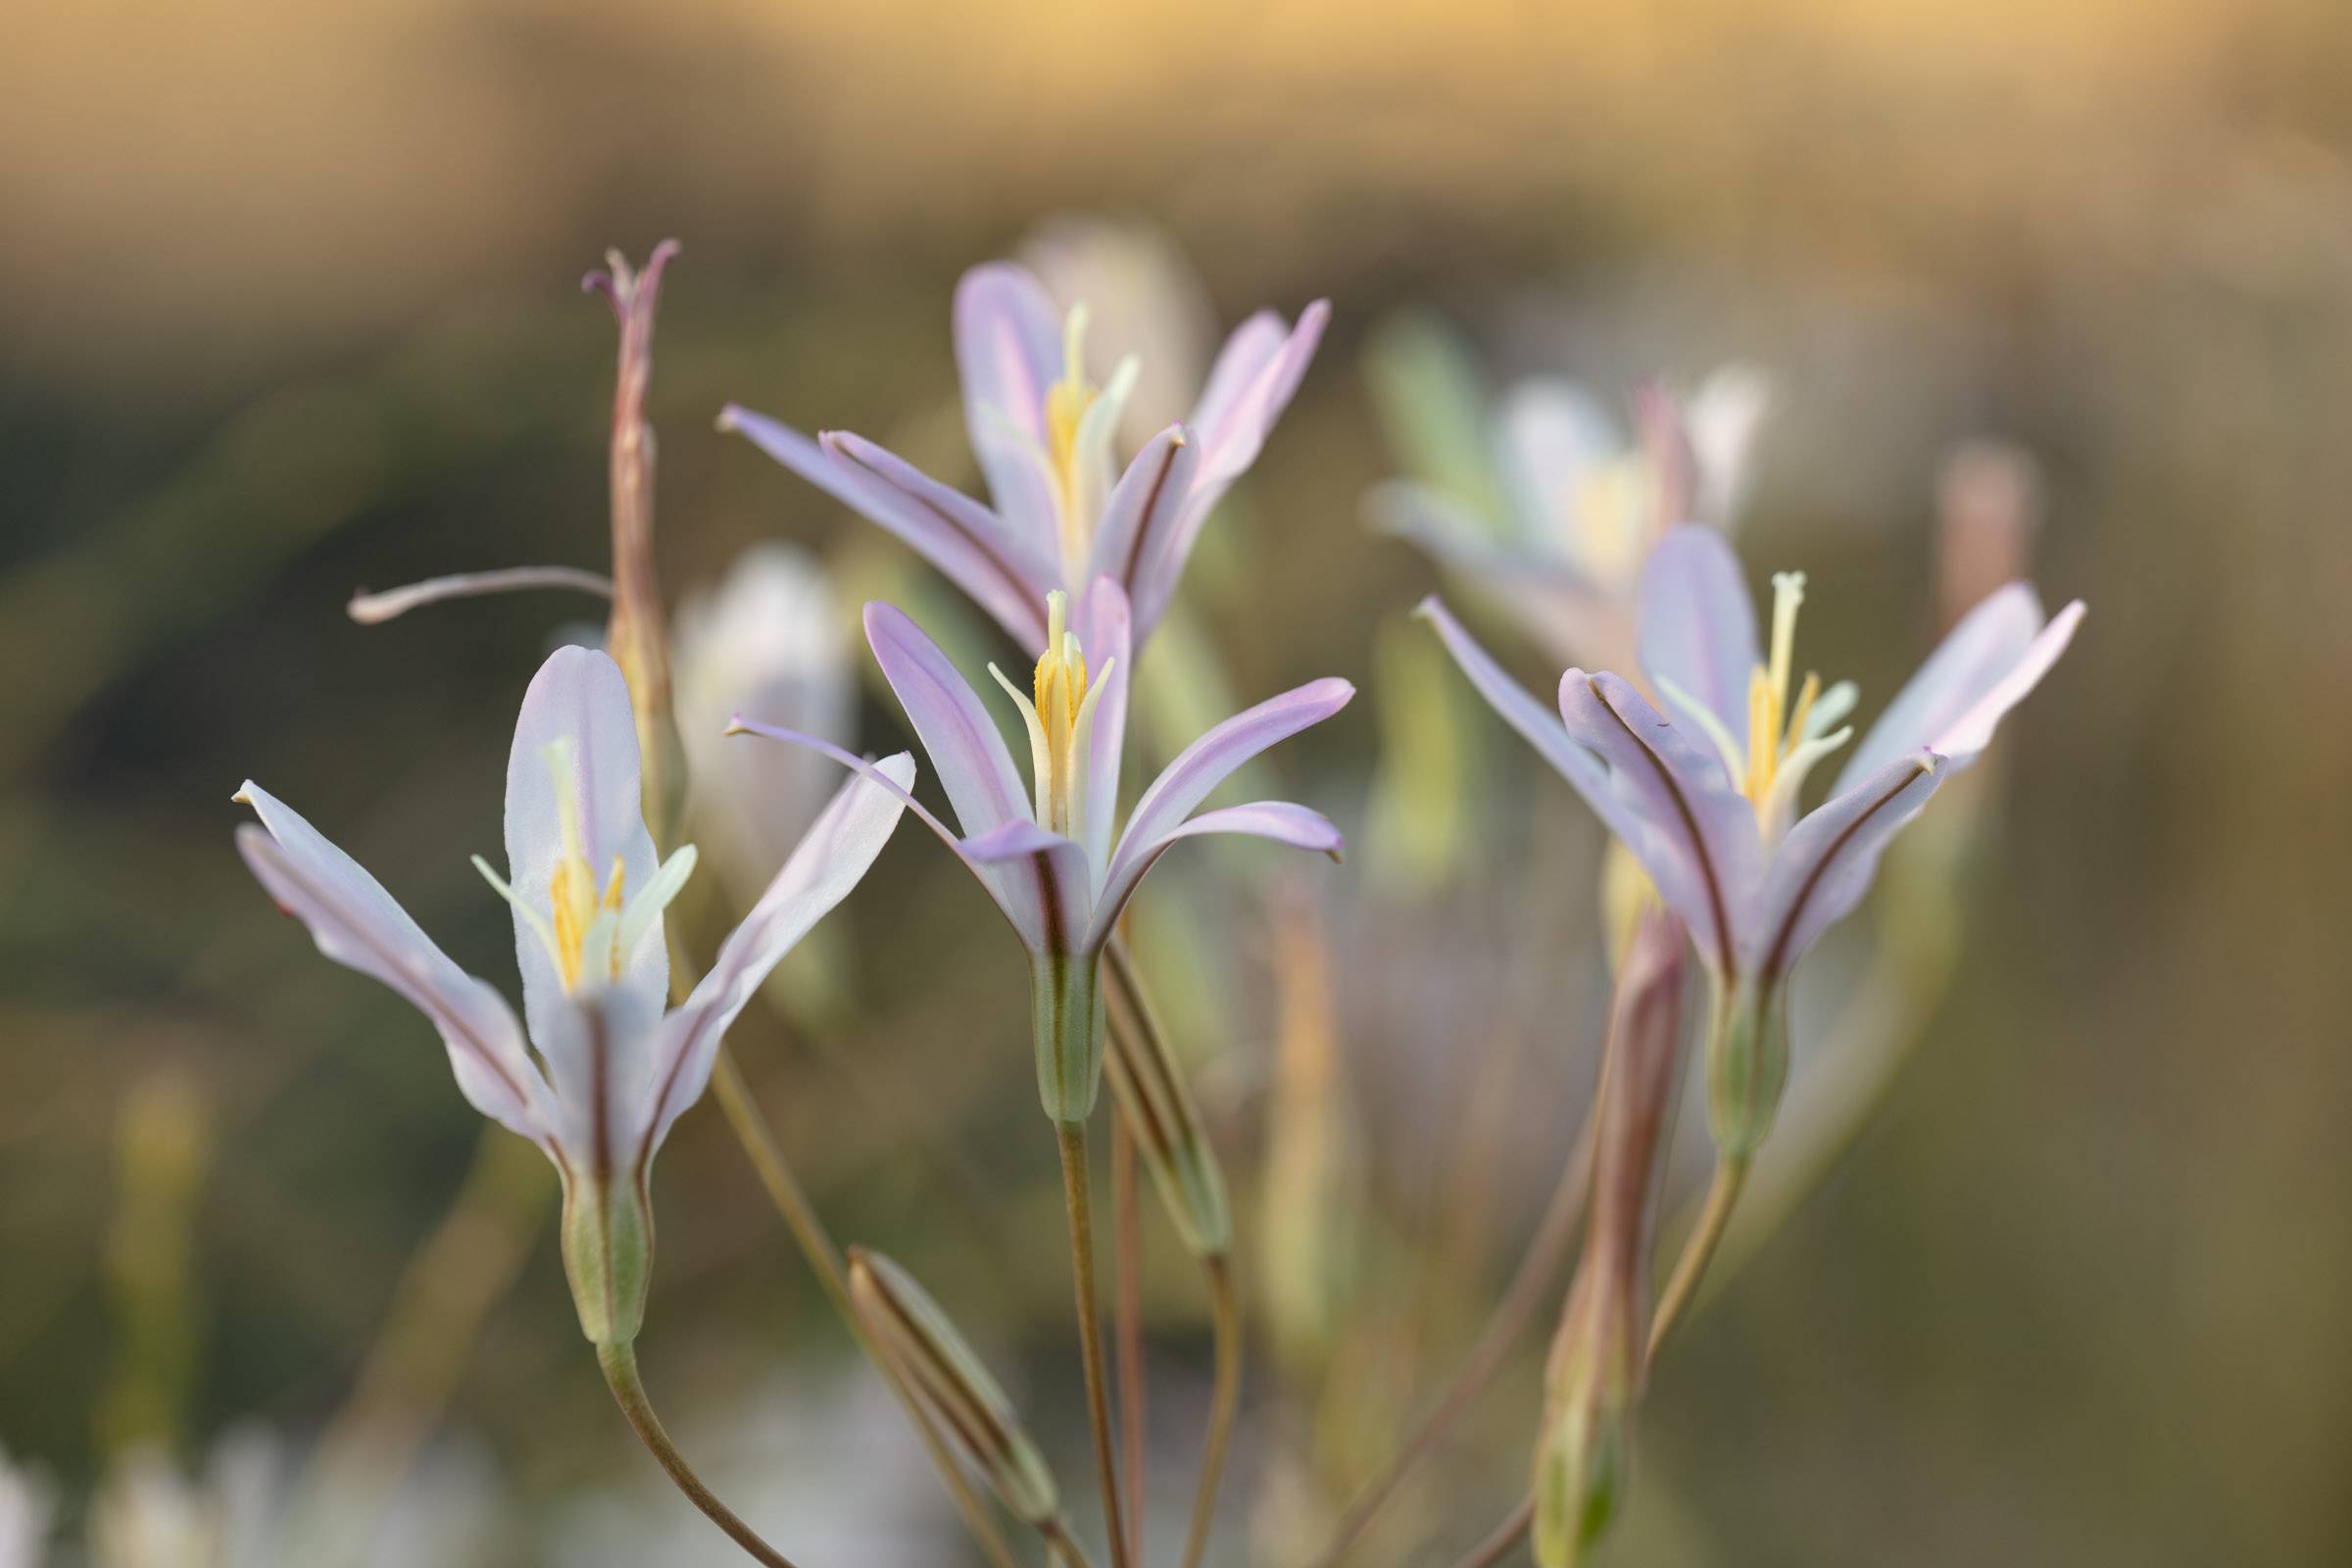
360, 926
1253, 381
943, 533
1826, 864
1146, 504
580, 699
829, 860
1065, 884
1281, 822
1691, 830
1212, 759
1696, 623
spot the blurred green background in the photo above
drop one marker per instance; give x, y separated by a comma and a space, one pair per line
288, 308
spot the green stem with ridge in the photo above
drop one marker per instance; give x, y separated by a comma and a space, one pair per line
1080, 1206
619, 1363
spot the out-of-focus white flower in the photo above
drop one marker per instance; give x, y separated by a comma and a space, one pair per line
25, 1507
764, 644
246, 1509
1147, 302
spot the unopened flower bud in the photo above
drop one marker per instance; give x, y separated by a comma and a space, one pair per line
608, 1253
962, 1400
1594, 1379
1159, 1109
1066, 1010
1747, 1064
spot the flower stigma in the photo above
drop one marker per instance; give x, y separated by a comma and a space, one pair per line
1060, 720
582, 924
1066, 404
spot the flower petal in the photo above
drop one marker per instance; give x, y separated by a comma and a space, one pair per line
579, 698
1539, 725
1552, 436
373, 609
1692, 831
1144, 507
967, 751
1249, 386
1008, 354
1297, 826
1825, 865
1100, 621
972, 547
1982, 668
599, 1043
1015, 895
1064, 884
1207, 762
830, 860
1697, 624
360, 926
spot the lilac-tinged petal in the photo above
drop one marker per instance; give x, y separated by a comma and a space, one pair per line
1537, 724
580, 700
1694, 833
600, 1044
1960, 741
1826, 864
1724, 416
1456, 538
1144, 507
830, 860
1281, 822
967, 751
1014, 894
978, 555
1207, 762
1008, 354
360, 926
2004, 636
1697, 624
1100, 621
1253, 382
1064, 882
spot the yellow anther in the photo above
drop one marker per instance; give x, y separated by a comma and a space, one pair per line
1060, 688
1066, 403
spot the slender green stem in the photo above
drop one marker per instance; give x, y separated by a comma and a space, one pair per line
1225, 1315
1723, 1192
1062, 1548
1503, 1538
1546, 1251
619, 1363
808, 1229
1090, 1330
1127, 1323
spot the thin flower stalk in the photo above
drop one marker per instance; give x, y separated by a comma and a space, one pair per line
1062, 510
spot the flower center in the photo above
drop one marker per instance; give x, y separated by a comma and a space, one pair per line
589, 935
1786, 732
1066, 404
1060, 721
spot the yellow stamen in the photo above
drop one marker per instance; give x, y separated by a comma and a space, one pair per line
1806, 695
1066, 403
1060, 689
572, 893
1763, 736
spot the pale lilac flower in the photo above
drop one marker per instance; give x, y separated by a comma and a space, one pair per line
1063, 511
1052, 855
1709, 804
1576, 507
612, 1069
1142, 298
